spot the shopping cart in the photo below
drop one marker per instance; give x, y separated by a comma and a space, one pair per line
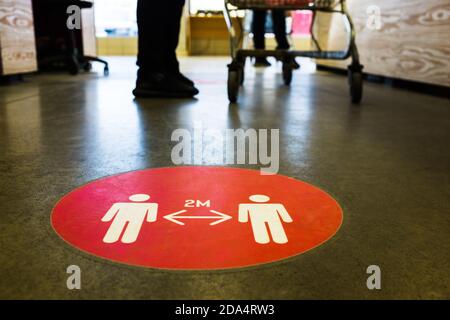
239, 54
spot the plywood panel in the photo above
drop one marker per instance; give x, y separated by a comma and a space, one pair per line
413, 42
17, 44
208, 35
88, 32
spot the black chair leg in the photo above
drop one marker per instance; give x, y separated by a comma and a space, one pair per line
95, 59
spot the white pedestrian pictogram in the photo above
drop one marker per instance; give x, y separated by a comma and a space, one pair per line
265, 215
128, 218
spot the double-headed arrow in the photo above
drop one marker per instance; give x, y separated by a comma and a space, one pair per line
219, 217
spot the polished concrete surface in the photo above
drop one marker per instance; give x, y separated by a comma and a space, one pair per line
387, 162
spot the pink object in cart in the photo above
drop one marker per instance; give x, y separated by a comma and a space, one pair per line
301, 22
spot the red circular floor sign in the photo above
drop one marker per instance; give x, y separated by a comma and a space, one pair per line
196, 218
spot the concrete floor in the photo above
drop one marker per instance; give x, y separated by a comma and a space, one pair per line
387, 162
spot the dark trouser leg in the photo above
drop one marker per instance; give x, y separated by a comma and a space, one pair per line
279, 28
173, 35
151, 29
259, 28
159, 28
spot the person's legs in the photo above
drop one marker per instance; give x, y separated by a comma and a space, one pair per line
159, 26
151, 19
279, 28
259, 28
173, 35
259, 35
173, 30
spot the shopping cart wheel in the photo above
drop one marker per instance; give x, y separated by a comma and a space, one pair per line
233, 85
287, 74
355, 79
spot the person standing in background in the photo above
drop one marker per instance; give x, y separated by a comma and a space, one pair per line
159, 70
279, 29
259, 32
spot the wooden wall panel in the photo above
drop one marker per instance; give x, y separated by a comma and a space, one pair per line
413, 42
88, 32
17, 43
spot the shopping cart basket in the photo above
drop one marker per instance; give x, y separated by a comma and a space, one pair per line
239, 54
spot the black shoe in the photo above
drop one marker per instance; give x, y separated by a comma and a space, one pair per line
292, 63
163, 86
295, 64
262, 62
185, 79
